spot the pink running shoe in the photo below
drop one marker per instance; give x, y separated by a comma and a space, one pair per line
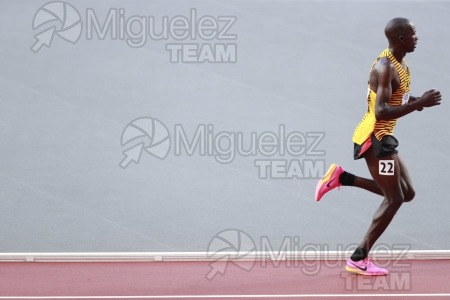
364, 267
329, 181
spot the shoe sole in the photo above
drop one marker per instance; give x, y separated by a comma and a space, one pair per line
330, 172
361, 272
325, 178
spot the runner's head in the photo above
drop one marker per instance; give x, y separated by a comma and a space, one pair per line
401, 34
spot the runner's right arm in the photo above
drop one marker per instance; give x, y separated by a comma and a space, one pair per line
385, 73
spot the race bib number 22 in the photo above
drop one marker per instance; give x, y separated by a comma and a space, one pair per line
386, 167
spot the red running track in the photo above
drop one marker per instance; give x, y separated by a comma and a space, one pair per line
425, 279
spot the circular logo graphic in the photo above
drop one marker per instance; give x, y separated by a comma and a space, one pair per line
231, 245
62, 19
147, 134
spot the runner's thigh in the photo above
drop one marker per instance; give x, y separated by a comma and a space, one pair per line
386, 171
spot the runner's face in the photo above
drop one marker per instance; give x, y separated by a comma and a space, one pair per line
410, 38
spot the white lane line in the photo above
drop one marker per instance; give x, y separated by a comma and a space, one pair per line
232, 296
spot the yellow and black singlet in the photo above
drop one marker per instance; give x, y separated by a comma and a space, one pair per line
369, 124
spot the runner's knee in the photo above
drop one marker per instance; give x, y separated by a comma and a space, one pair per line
410, 195
396, 200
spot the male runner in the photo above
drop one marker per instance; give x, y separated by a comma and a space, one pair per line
388, 99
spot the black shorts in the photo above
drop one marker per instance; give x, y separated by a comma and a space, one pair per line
387, 146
